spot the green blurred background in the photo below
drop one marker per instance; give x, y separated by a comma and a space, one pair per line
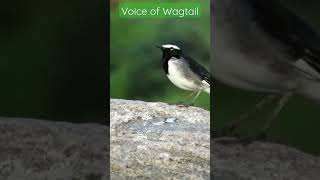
53, 62
136, 73
135, 66
298, 123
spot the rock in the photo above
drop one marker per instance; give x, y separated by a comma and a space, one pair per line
262, 161
35, 150
161, 141
158, 141
148, 141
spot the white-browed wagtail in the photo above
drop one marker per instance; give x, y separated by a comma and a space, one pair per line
184, 72
262, 46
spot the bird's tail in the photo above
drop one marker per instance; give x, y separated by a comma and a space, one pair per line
311, 90
207, 89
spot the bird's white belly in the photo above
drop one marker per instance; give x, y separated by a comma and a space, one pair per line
178, 78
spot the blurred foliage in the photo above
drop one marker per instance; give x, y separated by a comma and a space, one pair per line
297, 124
135, 63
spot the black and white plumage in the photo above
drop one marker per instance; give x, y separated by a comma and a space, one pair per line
262, 46
183, 71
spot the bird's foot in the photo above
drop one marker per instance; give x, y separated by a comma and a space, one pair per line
226, 131
262, 136
183, 104
176, 103
241, 140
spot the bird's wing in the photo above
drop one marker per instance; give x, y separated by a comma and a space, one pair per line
282, 24
199, 70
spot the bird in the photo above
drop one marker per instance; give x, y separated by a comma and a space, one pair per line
184, 72
263, 46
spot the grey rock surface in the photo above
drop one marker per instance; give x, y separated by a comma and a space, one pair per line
161, 141
158, 141
42, 150
262, 161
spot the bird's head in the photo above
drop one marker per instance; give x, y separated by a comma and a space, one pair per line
170, 50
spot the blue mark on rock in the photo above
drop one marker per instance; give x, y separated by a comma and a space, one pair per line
161, 124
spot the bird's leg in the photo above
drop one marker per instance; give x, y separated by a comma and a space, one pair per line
280, 104
230, 127
182, 103
189, 96
195, 97
197, 93
262, 135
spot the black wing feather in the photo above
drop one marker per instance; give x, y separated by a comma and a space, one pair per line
282, 24
198, 69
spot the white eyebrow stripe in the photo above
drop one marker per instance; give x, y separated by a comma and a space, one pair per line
170, 46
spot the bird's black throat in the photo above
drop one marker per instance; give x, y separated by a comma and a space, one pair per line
165, 59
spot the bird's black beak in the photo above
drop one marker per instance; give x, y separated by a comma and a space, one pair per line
160, 47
